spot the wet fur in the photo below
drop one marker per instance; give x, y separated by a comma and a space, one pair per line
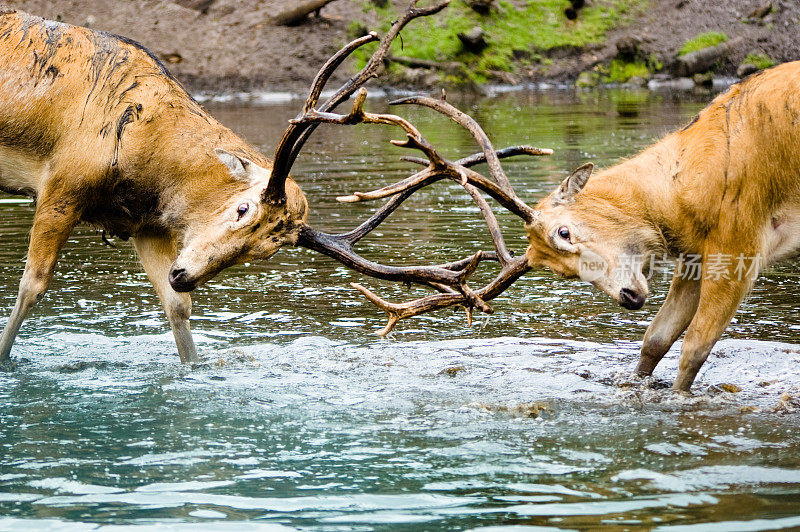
729, 183
95, 128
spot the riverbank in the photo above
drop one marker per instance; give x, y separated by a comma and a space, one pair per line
231, 45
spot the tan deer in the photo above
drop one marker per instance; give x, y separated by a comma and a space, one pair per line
721, 196
96, 130
723, 193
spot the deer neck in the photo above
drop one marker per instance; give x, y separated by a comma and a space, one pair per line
643, 190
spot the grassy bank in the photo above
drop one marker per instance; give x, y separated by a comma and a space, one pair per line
520, 35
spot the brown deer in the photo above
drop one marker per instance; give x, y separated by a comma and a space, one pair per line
722, 196
96, 130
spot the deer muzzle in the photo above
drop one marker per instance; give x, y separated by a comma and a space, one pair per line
631, 299
180, 280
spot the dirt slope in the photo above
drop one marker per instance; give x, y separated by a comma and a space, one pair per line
232, 45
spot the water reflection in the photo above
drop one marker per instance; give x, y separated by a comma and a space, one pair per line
301, 418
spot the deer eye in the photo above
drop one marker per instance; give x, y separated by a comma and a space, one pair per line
563, 232
241, 210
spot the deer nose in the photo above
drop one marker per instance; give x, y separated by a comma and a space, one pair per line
631, 299
179, 280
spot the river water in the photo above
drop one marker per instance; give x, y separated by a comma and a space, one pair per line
301, 418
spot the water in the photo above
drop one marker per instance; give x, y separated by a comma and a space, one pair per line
301, 418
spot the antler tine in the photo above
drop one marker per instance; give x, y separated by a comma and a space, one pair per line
478, 158
512, 271
490, 154
413, 140
297, 133
469, 123
425, 177
370, 70
511, 151
491, 221
339, 248
330, 67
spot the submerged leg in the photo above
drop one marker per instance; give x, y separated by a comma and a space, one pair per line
157, 254
52, 224
671, 320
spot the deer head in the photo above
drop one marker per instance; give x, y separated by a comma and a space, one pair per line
247, 226
582, 232
263, 209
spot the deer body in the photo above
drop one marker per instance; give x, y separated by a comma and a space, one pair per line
726, 189
96, 130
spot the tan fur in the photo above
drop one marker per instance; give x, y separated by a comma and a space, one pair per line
96, 129
729, 183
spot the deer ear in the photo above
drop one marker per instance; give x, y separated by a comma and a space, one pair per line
241, 167
573, 184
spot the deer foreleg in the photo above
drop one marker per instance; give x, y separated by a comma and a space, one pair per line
719, 299
157, 254
671, 320
52, 224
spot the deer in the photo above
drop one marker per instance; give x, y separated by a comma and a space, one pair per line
720, 197
96, 130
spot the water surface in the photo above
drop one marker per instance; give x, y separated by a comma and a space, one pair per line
301, 418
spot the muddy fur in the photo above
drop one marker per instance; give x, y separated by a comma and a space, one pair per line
95, 128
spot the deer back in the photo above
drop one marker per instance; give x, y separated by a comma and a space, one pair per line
98, 118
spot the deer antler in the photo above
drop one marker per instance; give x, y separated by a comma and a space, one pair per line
340, 247
298, 132
448, 279
500, 189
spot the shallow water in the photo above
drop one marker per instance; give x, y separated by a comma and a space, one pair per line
300, 418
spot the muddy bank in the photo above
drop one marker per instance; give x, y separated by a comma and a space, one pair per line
231, 45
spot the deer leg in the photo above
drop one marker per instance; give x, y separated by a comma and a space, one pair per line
157, 254
671, 320
719, 299
52, 224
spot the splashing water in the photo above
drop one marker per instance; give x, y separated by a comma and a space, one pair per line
299, 418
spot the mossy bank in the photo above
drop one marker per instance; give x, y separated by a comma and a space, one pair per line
520, 39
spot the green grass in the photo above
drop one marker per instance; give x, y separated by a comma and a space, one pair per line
621, 71
704, 40
355, 29
528, 31
760, 61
